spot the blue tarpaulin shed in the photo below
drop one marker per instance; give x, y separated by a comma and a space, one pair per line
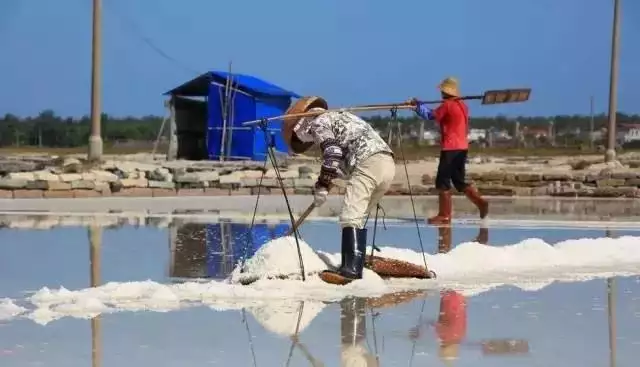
251, 98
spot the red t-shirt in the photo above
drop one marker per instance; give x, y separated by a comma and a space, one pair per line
452, 321
453, 117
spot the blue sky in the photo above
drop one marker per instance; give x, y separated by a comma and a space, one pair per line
351, 52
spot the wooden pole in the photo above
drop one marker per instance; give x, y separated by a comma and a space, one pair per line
95, 244
95, 138
610, 154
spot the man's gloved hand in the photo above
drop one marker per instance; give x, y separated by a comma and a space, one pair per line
412, 102
320, 195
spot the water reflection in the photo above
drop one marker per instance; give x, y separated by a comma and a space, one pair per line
611, 314
358, 315
451, 325
445, 239
213, 250
95, 244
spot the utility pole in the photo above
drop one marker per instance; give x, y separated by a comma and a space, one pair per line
95, 139
591, 137
610, 154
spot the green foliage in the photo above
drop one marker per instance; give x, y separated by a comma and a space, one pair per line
50, 130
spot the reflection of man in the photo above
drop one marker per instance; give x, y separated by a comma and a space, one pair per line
353, 331
452, 323
444, 238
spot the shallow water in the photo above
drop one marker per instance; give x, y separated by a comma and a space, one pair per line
552, 323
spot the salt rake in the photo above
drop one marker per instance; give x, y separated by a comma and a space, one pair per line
490, 97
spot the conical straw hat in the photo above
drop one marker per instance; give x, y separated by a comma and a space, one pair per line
302, 105
450, 86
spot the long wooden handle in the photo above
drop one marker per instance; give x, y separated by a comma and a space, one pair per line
302, 218
488, 97
348, 109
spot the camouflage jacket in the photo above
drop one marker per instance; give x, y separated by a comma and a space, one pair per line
357, 139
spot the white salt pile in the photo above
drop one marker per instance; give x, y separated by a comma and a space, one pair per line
279, 257
9, 310
470, 268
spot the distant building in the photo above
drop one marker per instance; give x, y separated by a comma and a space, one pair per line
628, 133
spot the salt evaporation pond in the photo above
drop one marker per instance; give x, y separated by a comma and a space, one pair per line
144, 296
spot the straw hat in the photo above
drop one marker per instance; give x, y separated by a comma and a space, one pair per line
450, 86
302, 105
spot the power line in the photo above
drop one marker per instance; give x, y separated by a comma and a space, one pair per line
133, 27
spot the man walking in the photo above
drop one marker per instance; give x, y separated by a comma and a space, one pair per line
453, 117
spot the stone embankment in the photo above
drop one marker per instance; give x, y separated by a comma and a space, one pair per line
72, 178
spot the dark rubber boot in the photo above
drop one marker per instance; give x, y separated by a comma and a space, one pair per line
444, 209
354, 244
474, 196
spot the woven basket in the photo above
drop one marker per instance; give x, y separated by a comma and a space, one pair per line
505, 346
394, 299
393, 268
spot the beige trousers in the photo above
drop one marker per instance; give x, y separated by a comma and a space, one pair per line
369, 182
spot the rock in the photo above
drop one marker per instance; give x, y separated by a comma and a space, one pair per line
610, 182
104, 176
15, 166
129, 183
249, 182
28, 176
528, 177
497, 191
615, 192
13, 183
37, 185
103, 187
557, 176
45, 176
132, 175
48, 185
58, 185
70, 177
427, 179
194, 177
623, 174
300, 183
252, 174
161, 184
88, 176
492, 176
632, 182
304, 170
232, 181
130, 167
270, 182
115, 186
540, 191
83, 184
271, 173
160, 174
71, 165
